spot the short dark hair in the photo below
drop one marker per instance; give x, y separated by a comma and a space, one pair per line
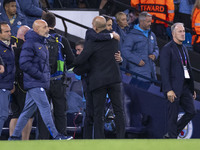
143, 15
2, 23
107, 17
7, 2
81, 42
50, 19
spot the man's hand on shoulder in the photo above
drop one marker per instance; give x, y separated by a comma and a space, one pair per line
118, 57
116, 36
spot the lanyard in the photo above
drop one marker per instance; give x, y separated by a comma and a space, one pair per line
181, 56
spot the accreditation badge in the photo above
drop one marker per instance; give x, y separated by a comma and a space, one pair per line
186, 73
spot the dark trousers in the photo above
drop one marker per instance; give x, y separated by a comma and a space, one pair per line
18, 101
99, 97
56, 94
186, 102
88, 122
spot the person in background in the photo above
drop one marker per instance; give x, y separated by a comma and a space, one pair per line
196, 26
31, 9
12, 16
184, 16
163, 9
185, 11
19, 96
2, 9
7, 78
177, 81
132, 18
120, 26
79, 47
141, 50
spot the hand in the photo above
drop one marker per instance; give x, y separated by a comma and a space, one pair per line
1, 69
116, 36
128, 74
13, 90
152, 57
118, 57
142, 63
14, 45
171, 96
195, 95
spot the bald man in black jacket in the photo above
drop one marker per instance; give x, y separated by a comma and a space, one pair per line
104, 77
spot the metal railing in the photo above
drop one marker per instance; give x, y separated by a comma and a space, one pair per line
70, 21
141, 76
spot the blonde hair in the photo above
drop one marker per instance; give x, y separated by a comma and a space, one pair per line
118, 15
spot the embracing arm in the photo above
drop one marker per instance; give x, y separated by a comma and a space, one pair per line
92, 35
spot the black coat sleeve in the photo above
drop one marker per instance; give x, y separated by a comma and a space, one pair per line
67, 52
82, 69
92, 35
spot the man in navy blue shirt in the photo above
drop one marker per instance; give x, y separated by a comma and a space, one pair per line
7, 78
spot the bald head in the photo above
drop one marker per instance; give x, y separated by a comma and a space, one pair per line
22, 31
41, 27
99, 23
